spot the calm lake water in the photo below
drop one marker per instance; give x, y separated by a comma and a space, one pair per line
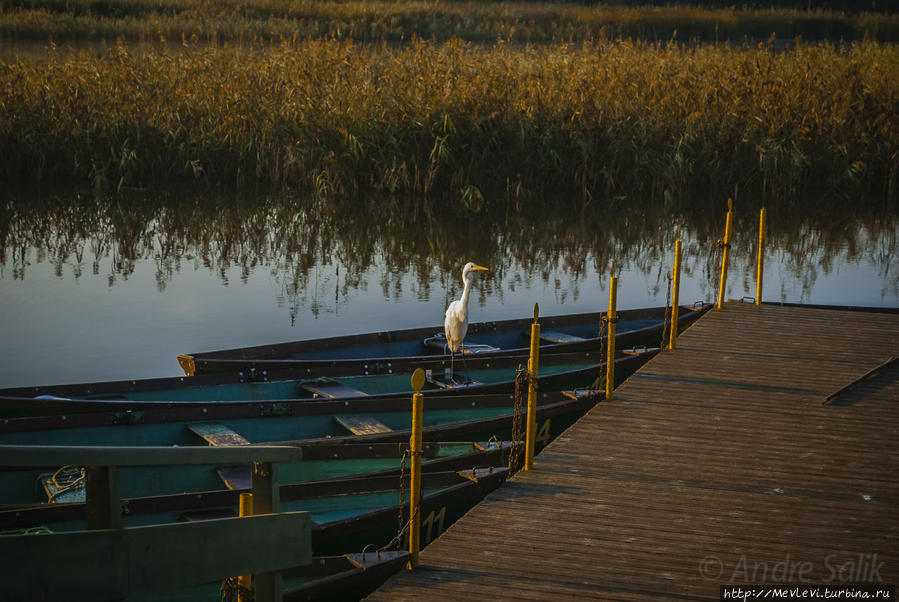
115, 290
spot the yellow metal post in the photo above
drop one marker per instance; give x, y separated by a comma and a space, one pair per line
761, 268
675, 299
612, 317
724, 255
245, 582
418, 381
533, 361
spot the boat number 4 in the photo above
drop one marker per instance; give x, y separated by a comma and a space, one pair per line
543, 435
433, 524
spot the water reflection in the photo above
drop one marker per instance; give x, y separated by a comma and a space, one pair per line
306, 247
297, 269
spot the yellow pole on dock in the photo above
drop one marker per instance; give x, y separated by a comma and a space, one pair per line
418, 381
761, 269
612, 316
724, 255
672, 341
533, 360
245, 582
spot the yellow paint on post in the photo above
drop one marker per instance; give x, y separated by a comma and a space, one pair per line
533, 361
418, 381
675, 299
613, 318
245, 582
724, 255
761, 267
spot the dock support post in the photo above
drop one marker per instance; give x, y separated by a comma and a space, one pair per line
724, 256
533, 361
267, 500
761, 267
612, 317
245, 582
675, 299
418, 381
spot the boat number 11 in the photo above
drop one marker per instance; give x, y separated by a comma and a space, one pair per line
433, 524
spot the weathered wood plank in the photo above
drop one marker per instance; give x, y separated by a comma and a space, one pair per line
361, 425
217, 434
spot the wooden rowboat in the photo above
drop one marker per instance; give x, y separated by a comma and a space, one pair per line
473, 375
398, 350
348, 514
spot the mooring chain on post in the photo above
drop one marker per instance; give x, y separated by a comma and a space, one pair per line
231, 591
602, 333
665, 333
521, 387
718, 249
400, 529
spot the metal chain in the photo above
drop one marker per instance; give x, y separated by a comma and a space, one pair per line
399, 518
517, 411
603, 322
719, 250
231, 591
668, 316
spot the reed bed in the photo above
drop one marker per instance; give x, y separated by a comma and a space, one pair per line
470, 126
398, 20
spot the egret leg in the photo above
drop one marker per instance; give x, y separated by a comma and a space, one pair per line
452, 362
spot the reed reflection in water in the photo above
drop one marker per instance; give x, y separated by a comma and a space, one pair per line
114, 289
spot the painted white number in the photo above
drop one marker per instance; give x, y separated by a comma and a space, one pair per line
543, 435
434, 520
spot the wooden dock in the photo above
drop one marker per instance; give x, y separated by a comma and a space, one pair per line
717, 463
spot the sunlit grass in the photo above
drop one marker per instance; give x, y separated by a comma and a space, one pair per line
474, 124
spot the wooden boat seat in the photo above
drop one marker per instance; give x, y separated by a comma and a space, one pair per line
362, 425
438, 341
237, 476
331, 389
217, 434
444, 381
552, 336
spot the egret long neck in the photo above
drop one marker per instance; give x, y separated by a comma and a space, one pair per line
465, 293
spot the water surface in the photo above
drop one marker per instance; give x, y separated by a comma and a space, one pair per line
115, 289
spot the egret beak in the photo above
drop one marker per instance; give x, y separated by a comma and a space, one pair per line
479, 267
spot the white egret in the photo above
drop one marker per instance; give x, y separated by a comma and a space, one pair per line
456, 324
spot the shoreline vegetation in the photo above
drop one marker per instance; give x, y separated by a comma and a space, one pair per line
476, 124
462, 125
400, 20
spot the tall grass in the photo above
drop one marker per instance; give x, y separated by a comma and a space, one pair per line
475, 125
399, 20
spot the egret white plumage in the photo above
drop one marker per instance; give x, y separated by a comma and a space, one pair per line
456, 323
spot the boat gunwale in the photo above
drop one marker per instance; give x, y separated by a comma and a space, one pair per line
207, 363
209, 412
73, 390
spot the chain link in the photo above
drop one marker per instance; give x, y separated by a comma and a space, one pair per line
517, 411
668, 316
399, 518
231, 591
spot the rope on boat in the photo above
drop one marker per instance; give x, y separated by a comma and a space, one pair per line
41, 530
67, 478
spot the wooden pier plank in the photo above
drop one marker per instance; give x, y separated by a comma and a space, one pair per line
716, 463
